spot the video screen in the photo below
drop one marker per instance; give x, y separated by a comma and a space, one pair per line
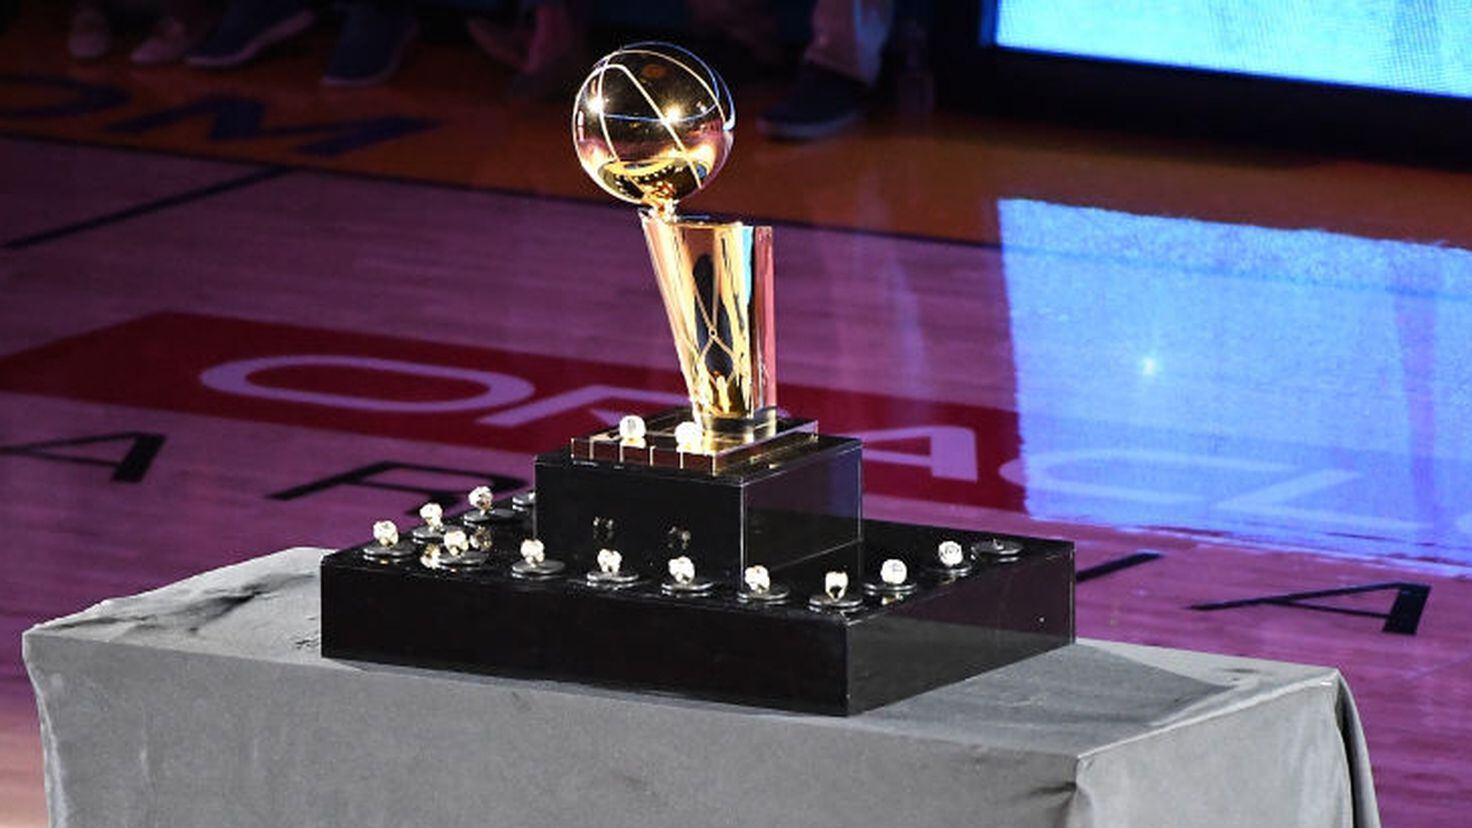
1417, 46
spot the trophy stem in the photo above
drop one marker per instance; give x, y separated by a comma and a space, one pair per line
716, 282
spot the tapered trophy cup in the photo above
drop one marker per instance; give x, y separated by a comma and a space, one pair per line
717, 549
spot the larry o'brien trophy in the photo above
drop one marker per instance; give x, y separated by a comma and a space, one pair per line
716, 550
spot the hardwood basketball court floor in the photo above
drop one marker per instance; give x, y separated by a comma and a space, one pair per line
243, 312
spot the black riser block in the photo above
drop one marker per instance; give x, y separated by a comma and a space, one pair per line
805, 505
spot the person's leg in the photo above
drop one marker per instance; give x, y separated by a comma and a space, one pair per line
374, 38
547, 52
90, 34
505, 44
839, 69
182, 27
749, 24
848, 37
559, 28
248, 28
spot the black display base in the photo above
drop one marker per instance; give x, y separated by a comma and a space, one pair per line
806, 502
941, 627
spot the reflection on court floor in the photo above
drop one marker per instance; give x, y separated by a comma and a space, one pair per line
1296, 387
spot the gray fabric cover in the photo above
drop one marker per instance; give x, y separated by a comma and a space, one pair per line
207, 703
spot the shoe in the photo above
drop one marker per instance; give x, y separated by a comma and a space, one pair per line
248, 28
822, 103
90, 36
170, 40
372, 44
506, 46
555, 61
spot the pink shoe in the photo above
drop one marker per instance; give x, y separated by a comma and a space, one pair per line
170, 40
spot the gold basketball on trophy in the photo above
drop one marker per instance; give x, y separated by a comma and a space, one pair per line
652, 124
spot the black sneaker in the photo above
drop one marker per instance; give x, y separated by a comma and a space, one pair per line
248, 27
372, 44
822, 102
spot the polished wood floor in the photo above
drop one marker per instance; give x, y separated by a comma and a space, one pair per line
1228, 374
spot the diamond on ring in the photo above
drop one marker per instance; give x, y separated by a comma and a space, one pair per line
456, 542
609, 561
894, 572
482, 498
689, 436
631, 429
386, 533
758, 579
682, 570
835, 584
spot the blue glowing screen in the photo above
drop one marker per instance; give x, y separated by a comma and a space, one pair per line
1422, 46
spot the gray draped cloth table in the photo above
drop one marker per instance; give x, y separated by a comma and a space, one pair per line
207, 703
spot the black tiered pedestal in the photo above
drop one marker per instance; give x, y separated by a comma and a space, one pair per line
796, 512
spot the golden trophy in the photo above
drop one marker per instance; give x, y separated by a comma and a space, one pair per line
653, 124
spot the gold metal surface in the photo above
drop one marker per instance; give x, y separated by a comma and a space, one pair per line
652, 124
716, 281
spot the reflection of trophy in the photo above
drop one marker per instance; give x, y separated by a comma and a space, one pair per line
716, 550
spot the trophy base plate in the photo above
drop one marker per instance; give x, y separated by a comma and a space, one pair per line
717, 644
718, 452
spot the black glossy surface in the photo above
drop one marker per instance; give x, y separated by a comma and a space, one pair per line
785, 656
775, 515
